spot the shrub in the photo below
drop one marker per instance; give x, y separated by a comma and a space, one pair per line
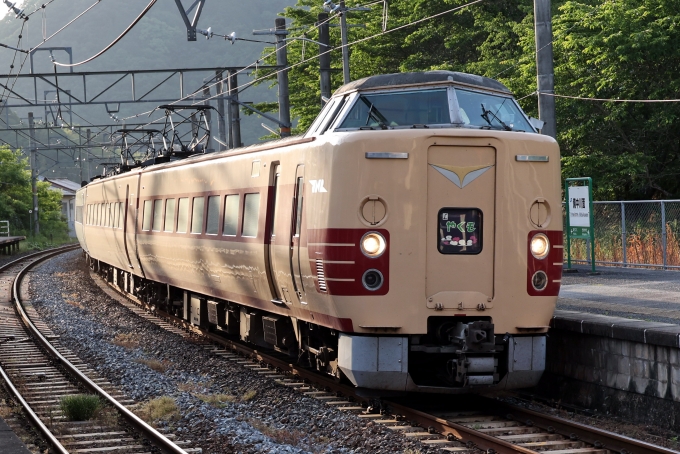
80, 407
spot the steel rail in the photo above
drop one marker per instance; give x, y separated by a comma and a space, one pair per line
155, 437
599, 438
32, 416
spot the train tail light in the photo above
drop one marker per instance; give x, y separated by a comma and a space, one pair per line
372, 280
544, 262
539, 280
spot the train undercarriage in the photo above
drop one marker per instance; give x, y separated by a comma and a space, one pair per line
457, 354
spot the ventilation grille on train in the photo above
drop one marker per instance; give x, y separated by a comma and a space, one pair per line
320, 275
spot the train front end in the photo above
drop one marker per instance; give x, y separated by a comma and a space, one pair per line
438, 233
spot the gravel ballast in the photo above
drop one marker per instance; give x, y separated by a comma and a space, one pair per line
244, 413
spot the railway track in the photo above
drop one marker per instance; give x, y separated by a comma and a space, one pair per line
38, 372
494, 426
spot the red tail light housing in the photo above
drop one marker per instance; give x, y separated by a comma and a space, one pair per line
544, 275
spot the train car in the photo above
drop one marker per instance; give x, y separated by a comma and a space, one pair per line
410, 240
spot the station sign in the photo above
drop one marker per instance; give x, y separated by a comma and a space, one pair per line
578, 193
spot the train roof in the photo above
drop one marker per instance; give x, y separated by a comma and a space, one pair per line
421, 78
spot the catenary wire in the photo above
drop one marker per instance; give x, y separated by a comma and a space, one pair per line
67, 25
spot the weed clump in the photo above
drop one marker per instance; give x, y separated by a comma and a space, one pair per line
80, 407
163, 407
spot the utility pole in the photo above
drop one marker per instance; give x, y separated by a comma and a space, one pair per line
544, 67
324, 57
345, 47
234, 110
282, 62
221, 127
34, 174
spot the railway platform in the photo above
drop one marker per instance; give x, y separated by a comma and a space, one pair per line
9, 442
10, 244
645, 294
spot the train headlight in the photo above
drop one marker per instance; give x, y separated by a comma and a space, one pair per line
540, 246
373, 244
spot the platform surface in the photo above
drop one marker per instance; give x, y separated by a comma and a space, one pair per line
645, 294
9, 442
11, 239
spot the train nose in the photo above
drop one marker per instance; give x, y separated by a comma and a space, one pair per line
461, 182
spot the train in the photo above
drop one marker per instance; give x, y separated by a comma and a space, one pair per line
409, 241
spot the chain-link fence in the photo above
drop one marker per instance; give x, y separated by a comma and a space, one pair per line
640, 233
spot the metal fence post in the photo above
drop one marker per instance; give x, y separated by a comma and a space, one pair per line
623, 231
663, 233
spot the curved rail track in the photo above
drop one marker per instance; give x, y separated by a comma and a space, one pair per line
38, 371
494, 426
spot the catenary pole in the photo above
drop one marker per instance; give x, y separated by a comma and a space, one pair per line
345, 47
544, 66
88, 134
34, 174
234, 109
282, 62
324, 56
221, 127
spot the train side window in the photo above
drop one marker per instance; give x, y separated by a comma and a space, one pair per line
114, 214
251, 211
197, 215
231, 205
157, 215
322, 115
108, 215
183, 215
336, 111
169, 214
99, 214
121, 215
146, 220
213, 223
89, 210
111, 215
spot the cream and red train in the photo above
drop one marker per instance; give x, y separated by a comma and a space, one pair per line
411, 240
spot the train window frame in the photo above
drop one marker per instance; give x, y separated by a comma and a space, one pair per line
147, 212
197, 216
212, 228
157, 215
249, 212
236, 198
322, 116
169, 224
180, 205
507, 97
337, 111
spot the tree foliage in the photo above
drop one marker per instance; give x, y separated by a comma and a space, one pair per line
623, 49
16, 198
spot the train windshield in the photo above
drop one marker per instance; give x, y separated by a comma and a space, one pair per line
488, 110
404, 108
435, 107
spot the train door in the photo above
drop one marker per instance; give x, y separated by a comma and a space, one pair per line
297, 233
130, 224
461, 190
273, 217
129, 243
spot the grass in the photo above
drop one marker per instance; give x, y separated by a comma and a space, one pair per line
158, 366
216, 400
126, 340
248, 395
72, 299
280, 436
80, 407
160, 408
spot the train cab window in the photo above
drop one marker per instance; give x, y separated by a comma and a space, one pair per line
323, 115
146, 220
401, 108
157, 215
169, 215
334, 115
183, 215
231, 205
213, 224
197, 215
489, 110
251, 211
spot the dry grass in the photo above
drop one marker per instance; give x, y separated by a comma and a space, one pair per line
216, 400
158, 366
248, 395
163, 407
72, 299
194, 387
127, 340
281, 436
